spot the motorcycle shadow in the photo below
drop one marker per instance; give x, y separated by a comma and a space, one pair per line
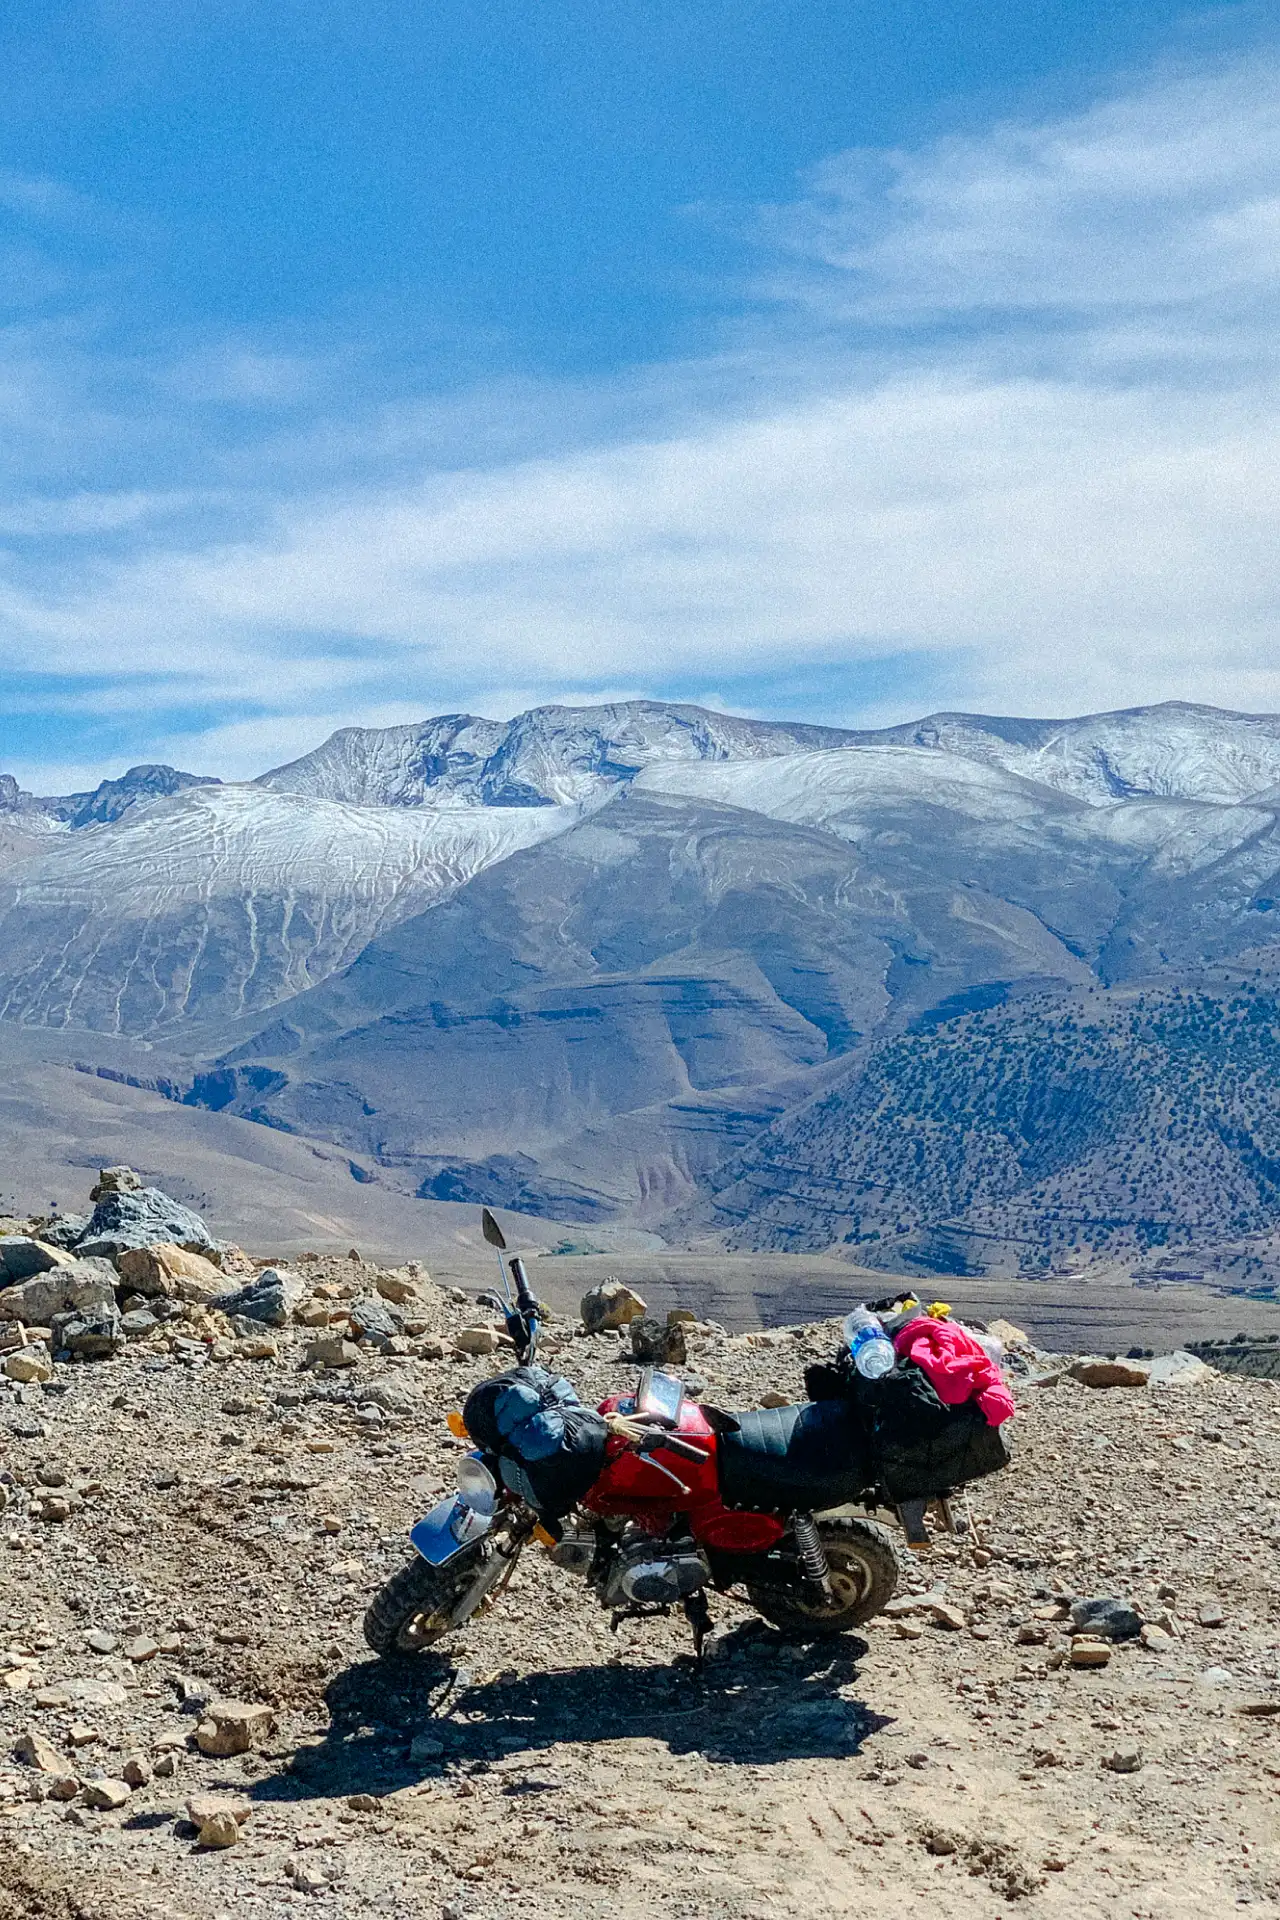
761, 1700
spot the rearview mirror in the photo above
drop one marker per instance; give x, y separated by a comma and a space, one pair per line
491, 1230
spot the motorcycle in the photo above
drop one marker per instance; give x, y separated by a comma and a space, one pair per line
689, 1499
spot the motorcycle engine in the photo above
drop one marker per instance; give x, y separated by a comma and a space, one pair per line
654, 1573
575, 1550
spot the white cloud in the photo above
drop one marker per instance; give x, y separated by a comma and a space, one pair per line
1073, 498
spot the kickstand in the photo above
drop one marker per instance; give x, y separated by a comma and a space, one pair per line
698, 1614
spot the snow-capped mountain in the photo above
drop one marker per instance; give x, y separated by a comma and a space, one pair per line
550, 756
1174, 751
577, 960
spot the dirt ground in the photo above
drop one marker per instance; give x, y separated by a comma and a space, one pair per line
236, 1516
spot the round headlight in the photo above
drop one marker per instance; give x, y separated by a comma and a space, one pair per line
477, 1487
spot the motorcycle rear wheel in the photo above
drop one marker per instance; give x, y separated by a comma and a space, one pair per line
864, 1566
415, 1607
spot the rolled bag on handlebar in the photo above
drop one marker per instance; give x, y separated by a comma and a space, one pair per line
549, 1447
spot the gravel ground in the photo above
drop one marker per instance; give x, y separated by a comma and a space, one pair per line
228, 1520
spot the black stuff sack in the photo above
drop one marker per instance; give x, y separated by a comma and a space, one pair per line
550, 1448
920, 1448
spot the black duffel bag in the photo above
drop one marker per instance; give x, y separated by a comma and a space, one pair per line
549, 1447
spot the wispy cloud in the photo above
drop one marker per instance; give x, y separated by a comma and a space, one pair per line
1022, 428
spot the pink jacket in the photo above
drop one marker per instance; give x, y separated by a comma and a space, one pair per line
958, 1367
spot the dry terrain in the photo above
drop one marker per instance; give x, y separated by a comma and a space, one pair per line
226, 1520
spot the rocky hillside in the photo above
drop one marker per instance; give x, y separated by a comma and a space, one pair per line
196, 1518
1131, 1122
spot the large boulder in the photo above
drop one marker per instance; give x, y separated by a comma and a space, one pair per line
164, 1271
1092, 1372
21, 1255
269, 1298
65, 1230
609, 1306
77, 1286
124, 1219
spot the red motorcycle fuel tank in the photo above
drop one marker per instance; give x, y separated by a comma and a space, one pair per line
642, 1488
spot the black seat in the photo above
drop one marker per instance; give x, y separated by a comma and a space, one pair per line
783, 1458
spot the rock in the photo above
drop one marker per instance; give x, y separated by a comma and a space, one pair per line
163, 1270
1110, 1373
140, 1218
682, 1317
1178, 1369
331, 1350
256, 1346
92, 1693
312, 1313
141, 1648
65, 1230
137, 1324
203, 1807
1211, 1614
115, 1180
1086, 1652
432, 1347
166, 1766
1031, 1634
1155, 1639
396, 1287
772, 1399
610, 1306
232, 1726
136, 1771
424, 1747
655, 1344
477, 1340
22, 1257
908, 1629
219, 1830
40, 1753
1008, 1334
30, 1365
1106, 1619
95, 1334
99, 1641
269, 1299
373, 1320
943, 1614
76, 1285
105, 1795
1124, 1760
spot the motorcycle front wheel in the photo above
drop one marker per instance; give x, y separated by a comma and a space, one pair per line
418, 1605
864, 1568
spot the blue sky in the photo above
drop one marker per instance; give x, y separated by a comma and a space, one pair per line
360, 362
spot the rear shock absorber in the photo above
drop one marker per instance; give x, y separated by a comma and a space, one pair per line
812, 1555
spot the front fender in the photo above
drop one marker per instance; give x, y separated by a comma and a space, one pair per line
448, 1530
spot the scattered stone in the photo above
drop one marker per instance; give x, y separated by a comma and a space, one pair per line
1124, 1760
1086, 1652
40, 1753
1211, 1614
100, 1641
397, 1288
105, 1795
610, 1306
219, 1830
943, 1614
269, 1299
908, 1629
477, 1340
141, 1648
95, 1334
772, 1399
1106, 1619
206, 1808
424, 1747
1007, 1334
232, 1726
1110, 1373
331, 1350
137, 1324
30, 1365
92, 1693
373, 1320
1155, 1639
363, 1802
136, 1771
655, 1344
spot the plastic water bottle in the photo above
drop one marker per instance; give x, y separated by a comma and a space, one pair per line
870, 1345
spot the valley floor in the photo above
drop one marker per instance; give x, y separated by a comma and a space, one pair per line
241, 1514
